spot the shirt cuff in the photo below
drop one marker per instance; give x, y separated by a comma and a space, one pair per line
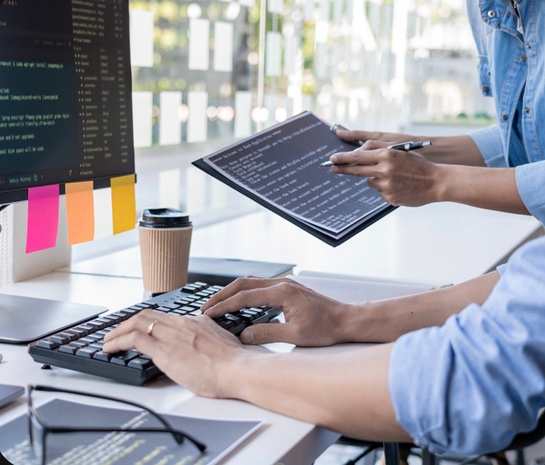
489, 143
410, 372
501, 269
530, 179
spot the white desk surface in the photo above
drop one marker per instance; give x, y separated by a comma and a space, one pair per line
440, 243
437, 243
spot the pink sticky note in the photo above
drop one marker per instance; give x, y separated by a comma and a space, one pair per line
43, 218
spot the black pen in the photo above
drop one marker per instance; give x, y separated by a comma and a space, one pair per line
407, 146
404, 146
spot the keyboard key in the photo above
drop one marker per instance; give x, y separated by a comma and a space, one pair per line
97, 324
47, 344
59, 339
260, 311
80, 332
72, 336
171, 306
102, 356
190, 289
162, 309
87, 328
68, 349
140, 363
123, 357
233, 318
131, 311
203, 294
178, 312
79, 344
225, 324
250, 311
86, 352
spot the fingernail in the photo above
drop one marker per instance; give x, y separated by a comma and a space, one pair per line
247, 336
333, 158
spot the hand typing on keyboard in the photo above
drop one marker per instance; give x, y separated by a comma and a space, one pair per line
197, 353
311, 318
194, 352
80, 347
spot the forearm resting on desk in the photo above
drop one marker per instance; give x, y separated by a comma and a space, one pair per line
346, 392
315, 320
387, 320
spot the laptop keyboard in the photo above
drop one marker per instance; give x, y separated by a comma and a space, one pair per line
80, 348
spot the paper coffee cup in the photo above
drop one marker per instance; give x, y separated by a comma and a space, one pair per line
165, 240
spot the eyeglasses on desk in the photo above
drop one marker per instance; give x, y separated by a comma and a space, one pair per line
39, 428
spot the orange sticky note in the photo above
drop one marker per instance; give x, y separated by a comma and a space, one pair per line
80, 212
123, 203
43, 218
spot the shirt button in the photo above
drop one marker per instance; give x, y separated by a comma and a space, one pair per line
505, 117
485, 89
527, 110
529, 46
491, 14
523, 58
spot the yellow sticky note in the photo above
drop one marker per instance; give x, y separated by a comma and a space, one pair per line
123, 203
80, 212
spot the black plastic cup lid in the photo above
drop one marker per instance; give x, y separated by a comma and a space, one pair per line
164, 218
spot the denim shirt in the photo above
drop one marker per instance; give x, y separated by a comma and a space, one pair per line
469, 386
512, 71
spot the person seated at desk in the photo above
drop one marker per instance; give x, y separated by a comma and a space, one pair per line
508, 39
465, 373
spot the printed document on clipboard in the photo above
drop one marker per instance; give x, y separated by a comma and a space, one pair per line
279, 168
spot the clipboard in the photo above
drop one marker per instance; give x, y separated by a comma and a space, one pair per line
309, 138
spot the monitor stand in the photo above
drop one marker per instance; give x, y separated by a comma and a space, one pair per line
25, 319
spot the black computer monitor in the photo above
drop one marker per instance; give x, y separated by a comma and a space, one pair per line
65, 113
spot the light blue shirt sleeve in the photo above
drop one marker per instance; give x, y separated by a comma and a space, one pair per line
469, 386
488, 141
530, 180
501, 269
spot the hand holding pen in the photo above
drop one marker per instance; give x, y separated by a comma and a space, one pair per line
405, 146
399, 173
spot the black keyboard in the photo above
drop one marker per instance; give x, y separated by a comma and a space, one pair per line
80, 348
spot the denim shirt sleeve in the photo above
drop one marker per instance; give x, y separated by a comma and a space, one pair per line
530, 180
469, 386
488, 141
